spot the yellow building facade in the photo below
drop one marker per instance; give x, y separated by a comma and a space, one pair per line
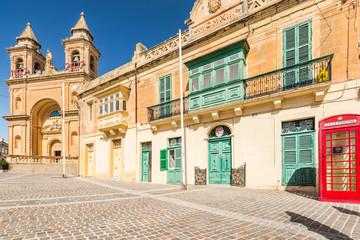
259, 77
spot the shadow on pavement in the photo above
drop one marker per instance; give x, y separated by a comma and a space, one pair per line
317, 227
302, 177
347, 211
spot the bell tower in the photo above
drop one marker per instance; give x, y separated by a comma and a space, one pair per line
26, 57
80, 53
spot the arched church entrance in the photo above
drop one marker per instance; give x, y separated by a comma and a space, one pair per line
220, 155
55, 148
46, 126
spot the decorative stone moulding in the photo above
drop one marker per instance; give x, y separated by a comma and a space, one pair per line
215, 115
319, 96
174, 124
278, 104
196, 119
238, 111
154, 128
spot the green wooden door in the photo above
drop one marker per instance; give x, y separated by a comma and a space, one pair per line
298, 160
174, 175
220, 161
145, 166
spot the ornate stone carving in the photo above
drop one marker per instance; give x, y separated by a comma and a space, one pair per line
238, 176
164, 48
200, 176
55, 125
17, 92
214, 5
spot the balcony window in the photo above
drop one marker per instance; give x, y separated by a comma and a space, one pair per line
117, 105
195, 84
234, 72
207, 80
110, 104
220, 76
218, 68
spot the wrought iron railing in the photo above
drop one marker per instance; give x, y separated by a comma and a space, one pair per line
168, 109
308, 73
40, 159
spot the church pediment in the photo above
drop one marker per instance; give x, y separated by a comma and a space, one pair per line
208, 15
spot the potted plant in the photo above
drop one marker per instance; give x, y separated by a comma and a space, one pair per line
4, 165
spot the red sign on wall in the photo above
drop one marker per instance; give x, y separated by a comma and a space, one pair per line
74, 66
19, 72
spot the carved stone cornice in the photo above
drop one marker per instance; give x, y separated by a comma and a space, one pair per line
16, 117
69, 113
56, 76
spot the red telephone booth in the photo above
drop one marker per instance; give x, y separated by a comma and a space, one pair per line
339, 158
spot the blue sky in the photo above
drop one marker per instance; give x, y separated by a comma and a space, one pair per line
116, 26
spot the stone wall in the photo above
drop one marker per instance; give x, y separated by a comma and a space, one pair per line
71, 168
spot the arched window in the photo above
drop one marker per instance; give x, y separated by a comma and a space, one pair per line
17, 103
17, 141
36, 67
55, 113
75, 56
19, 64
92, 64
74, 138
220, 131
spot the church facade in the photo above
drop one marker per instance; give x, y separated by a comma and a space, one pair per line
37, 90
271, 99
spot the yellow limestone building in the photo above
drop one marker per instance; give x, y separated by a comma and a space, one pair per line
271, 96
36, 90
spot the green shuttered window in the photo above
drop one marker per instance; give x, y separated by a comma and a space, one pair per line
165, 95
165, 89
297, 49
163, 159
298, 168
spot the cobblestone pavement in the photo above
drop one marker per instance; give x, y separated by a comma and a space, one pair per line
34, 206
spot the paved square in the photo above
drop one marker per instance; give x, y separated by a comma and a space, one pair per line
35, 206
